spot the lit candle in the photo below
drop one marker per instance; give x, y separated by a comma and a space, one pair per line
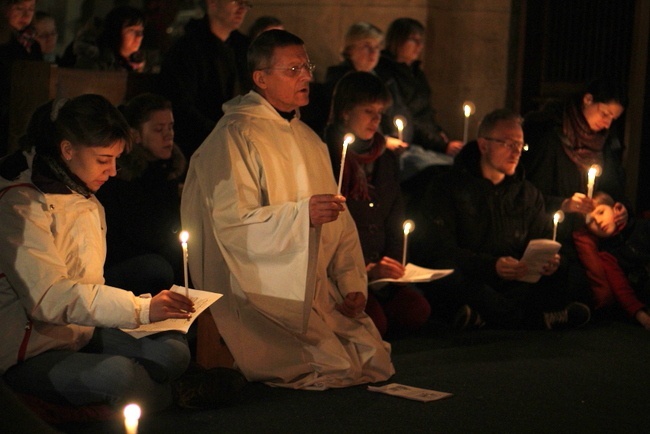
184, 237
557, 218
408, 227
593, 172
400, 123
468, 109
347, 139
131, 415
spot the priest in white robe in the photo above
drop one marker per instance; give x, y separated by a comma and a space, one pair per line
269, 232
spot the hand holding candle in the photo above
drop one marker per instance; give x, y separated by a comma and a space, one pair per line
184, 237
593, 172
468, 109
408, 227
557, 218
132, 414
400, 123
347, 139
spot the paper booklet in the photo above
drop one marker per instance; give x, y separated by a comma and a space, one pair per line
409, 392
202, 300
413, 274
537, 254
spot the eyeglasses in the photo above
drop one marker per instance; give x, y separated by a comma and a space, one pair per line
512, 145
242, 3
370, 48
295, 71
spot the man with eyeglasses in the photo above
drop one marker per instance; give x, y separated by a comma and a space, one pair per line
479, 220
205, 68
273, 236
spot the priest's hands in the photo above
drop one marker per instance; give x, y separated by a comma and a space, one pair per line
325, 208
168, 304
353, 304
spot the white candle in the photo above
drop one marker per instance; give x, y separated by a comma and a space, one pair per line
400, 122
468, 110
593, 172
557, 218
408, 227
184, 237
131, 416
347, 139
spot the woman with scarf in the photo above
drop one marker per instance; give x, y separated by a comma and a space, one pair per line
565, 140
371, 187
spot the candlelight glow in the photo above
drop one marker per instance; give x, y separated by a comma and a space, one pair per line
558, 217
469, 108
347, 139
184, 236
132, 411
400, 123
408, 227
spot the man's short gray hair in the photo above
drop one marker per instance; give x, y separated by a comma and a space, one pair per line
260, 52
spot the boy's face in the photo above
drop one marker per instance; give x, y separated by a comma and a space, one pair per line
602, 222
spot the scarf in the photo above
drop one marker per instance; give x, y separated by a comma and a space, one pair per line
360, 155
581, 144
52, 176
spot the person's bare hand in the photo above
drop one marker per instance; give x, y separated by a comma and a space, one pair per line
325, 208
353, 304
168, 304
643, 318
578, 203
454, 147
396, 145
386, 268
551, 266
508, 268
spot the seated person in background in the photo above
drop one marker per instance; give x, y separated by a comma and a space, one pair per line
46, 35
616, 255
478, 221
399, 64
116, 45
142, 202
72, 351
262, 24
372, 192
271, 234
19, 44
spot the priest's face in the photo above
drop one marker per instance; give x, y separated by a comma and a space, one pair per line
285, 83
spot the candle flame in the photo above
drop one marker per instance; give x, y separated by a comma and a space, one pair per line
400, 122
408, 227
558, 217
468, 108
594, 171
184, 236
132, 411
347, 139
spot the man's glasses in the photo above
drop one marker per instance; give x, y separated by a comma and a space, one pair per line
242, 3
512, 145
295, 71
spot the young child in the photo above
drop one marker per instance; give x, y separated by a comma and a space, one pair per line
615, 256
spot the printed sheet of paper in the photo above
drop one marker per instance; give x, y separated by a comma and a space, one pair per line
409, 392
413, 274
537, 254
202, 300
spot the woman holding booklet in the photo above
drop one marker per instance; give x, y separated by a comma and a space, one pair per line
62, 343
370, 184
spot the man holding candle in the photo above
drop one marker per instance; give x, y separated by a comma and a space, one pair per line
271, 235
479, 221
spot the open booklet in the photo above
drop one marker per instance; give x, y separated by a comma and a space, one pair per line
537, 254
414, 274
202, 300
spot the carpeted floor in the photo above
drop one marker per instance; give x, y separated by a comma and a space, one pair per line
592, 380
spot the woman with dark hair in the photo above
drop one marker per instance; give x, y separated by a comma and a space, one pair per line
399, 63
147, 184
116, 46
62, 339
372, 191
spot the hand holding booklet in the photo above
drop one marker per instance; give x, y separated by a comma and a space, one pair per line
202, 300
537, 254
414, 274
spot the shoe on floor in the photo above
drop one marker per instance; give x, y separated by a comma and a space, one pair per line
467, 319
210, 388
574, 315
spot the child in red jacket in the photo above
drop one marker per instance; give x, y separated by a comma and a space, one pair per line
615, 255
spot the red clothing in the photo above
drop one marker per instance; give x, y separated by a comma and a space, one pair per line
608, 281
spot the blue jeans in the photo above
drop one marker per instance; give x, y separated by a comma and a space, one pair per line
113, 368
